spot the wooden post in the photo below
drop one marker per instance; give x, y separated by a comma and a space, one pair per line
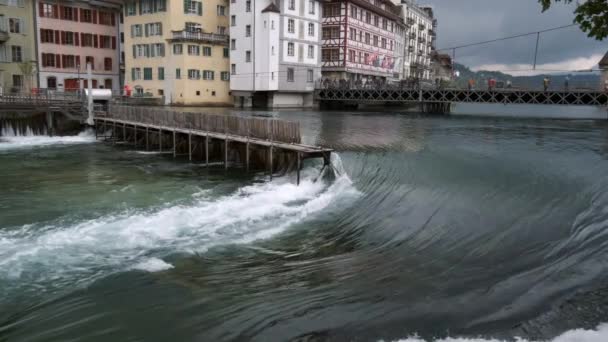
160, 140
105, 130
190, 146
113, 132
147, 145
226, 153
247, 155
135, 136
207, 150
299, 156
270, 162
124, 132
174, 147
95, 128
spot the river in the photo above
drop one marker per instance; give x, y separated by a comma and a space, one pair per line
426, 229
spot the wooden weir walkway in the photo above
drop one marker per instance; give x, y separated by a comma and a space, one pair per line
274, 144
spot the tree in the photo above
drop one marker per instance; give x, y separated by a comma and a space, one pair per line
591, 16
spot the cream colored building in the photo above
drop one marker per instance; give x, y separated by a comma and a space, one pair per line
178, 50
17, 46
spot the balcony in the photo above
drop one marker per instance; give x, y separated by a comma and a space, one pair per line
421, 40
410, 48
199, 37
409, 21
412, 35
432, 33
421, 27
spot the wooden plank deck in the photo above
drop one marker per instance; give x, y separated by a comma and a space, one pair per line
307, 151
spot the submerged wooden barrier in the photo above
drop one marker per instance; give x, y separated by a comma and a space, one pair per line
255, 143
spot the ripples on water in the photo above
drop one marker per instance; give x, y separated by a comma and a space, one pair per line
430, 227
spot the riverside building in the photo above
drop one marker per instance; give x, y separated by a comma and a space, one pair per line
359, 40
275, 52
178, 51
17, 46
71, 35
421, 37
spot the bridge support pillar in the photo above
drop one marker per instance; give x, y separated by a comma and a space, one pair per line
441, 108
49, 122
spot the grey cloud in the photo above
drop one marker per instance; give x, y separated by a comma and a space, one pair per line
467, 21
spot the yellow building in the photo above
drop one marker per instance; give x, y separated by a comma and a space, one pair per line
17, 46
178, 50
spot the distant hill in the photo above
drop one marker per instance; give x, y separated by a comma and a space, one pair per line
577, 81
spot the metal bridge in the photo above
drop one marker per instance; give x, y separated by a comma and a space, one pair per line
447, 96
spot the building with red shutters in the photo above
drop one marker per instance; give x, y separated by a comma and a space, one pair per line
362, 40
72, 34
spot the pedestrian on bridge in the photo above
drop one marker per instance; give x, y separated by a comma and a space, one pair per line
546, 82
567, 83
471, 84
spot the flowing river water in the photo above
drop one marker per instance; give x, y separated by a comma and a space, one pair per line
426, 229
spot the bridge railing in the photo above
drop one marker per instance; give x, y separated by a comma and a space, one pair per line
266, 129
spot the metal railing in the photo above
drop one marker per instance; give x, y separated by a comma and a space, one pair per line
255, 128
201, 37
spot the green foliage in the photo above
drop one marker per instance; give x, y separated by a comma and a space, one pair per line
591, 16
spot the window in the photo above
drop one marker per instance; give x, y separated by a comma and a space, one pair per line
206, 51
353, 33
68, 13
154, 29
136, 31
68, 61
15, 25
193, 27
311, 51
194, 74
106, 18
233, 69
225, 76
331, 32
178, 74
221, 10
157, 50
272, 75
233, 44
292, 4
290, 75
272, 51
107, 64
226, 53
248, 31
46, 36
178, 49
248, 6
139, 90
221, 30
309, 75
291, 26
194, 50
147, 74
105, 42
208, 75
351, 56
86, 39
130, 8
330, 55
272, 24
384, 43
233, 20
311, 6
17, 81
368, 17
86, 15
375, 40
90, 59
193, 7
135, 74
248, 56
311, 29
51, 82
367, 38
48, 60
376, 21
49, 11
290, 49
16, 54
331, 10
161, 92
161, 74
353, 12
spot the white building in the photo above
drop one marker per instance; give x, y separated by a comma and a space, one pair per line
420, 40
274, 52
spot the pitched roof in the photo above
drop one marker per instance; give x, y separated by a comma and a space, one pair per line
604, 61
271, 8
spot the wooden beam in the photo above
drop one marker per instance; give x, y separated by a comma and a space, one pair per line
247, 155
207, 150
174, 146
299, 163
160, 140
226, 153
190, 147
147, 144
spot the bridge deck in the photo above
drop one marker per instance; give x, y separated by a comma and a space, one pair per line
502, 96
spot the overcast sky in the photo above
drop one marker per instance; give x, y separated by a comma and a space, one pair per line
468, 21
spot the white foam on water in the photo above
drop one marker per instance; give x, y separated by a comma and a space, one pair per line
153, 265
11, 140
114, 243
600, 334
